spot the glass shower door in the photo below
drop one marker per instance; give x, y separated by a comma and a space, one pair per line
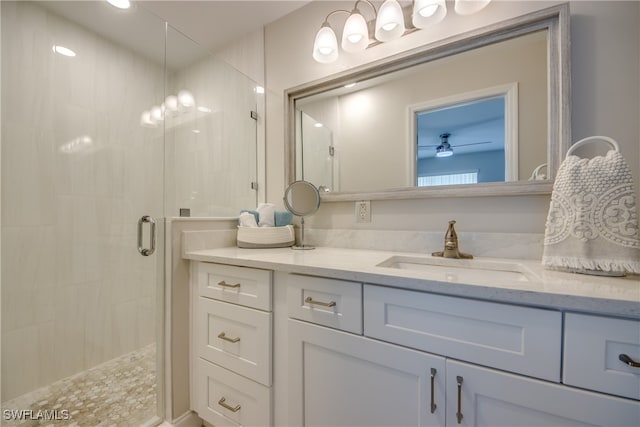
82, 163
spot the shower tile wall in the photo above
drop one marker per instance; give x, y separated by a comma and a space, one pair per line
74, 291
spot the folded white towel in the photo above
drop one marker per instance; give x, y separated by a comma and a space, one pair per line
592, 223
247, 219
266, 214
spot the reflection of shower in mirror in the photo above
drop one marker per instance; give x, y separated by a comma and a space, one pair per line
316, 150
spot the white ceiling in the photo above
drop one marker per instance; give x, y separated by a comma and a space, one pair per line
211, 23
215, 23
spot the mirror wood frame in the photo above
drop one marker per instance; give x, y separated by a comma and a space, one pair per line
553, 19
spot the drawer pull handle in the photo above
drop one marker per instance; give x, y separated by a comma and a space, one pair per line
433, 398
629, 361
223, 336
226, 285
459, 413
310, 300
225, 406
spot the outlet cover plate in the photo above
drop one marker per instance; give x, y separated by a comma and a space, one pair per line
363, 211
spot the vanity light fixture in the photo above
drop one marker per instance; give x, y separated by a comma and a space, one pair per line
389, 25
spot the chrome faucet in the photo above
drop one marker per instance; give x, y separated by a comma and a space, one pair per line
451, 245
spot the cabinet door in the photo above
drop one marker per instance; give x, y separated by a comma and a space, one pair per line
339, 379
485, 397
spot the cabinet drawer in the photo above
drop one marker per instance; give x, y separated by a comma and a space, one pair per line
250, 287
592, 349
512, 338
236, 338
328, 302
228, 399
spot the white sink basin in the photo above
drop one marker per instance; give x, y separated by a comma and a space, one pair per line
462, 270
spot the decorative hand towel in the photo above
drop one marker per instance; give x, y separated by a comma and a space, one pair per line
266, 213
247, 219
592, 225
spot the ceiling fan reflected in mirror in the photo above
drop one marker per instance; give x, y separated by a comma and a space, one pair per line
444, 149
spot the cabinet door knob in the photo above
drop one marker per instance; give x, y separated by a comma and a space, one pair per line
459, 413
629, 361
309, 300
222, 403
223, 336
433, 398
226, 285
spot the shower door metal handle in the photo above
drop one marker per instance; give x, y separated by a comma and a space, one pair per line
152, 230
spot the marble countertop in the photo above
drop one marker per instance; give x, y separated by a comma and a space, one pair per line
618, 296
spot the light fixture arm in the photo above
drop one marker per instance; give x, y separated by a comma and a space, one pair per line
326, 20
375, 11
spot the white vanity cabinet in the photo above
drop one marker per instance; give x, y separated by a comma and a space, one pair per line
434, 360
325, 351
231, 338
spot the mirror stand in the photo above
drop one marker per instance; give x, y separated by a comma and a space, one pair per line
302, 246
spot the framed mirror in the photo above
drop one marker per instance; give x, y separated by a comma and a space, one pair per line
472, 115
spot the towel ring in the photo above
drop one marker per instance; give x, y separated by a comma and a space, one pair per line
589, 139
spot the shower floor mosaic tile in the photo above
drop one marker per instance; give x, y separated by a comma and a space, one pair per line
120, 392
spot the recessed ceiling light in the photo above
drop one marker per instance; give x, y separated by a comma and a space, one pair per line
120, 4
63, 51
348, 85
259, 89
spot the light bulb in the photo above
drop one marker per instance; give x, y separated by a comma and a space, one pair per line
390, 21
325, 47
428, 12
355, 35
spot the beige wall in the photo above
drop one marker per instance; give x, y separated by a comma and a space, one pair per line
605, 100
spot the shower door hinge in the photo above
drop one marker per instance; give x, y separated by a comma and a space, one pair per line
332, 150
254, 185
254, 115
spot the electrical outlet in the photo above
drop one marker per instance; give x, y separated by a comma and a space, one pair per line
363, 211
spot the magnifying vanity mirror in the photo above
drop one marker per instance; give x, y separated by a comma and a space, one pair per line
302, 198
472, 115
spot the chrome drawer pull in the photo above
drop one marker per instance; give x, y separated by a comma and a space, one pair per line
459, 413
225, 406
433, 398
226, 285
629, 361
309, 300
223, 336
